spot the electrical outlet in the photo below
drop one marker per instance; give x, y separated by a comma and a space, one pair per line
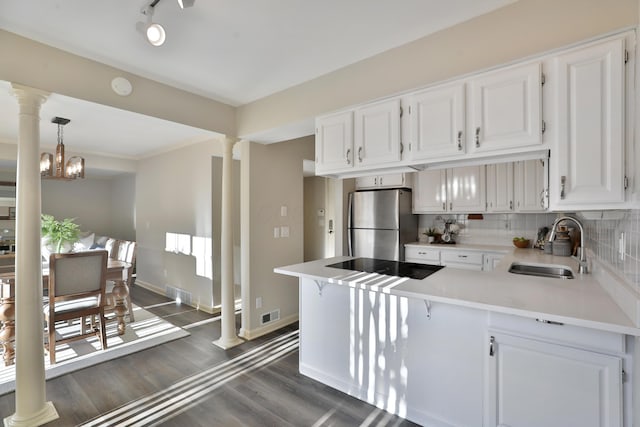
284, 231
283, 211
259, 302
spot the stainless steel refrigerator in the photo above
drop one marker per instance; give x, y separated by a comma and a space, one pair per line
381, 223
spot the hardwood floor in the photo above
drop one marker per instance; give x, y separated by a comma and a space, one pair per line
191, 382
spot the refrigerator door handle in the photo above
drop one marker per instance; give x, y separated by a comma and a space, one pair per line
349, 230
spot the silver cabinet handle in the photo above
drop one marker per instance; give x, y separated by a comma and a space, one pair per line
462, 256
444, 206
450, 206
460, 140
348, 154
542, 196
492, 341
477, 137
375, 180
380, 182
563, 181
510, 205
360, 154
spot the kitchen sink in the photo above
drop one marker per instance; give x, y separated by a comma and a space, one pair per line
555, 271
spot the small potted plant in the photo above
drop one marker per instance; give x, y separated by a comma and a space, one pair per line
431, 234
59, 236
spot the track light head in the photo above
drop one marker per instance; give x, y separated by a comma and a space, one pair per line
185, 3
156, 34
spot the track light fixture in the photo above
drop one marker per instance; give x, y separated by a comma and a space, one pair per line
155, 32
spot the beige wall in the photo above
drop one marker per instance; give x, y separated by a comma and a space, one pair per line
314, 225
525, 28
273, 175
88, 200
40, 66
123, 207
173, 195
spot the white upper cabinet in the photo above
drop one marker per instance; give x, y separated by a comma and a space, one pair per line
500, 185
377, 134
437, 122
466, 189
334, 142
588, 168
430, 191
451, 190
506, 109
530, 185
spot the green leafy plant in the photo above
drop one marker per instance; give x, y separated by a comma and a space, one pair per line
60, 232
430, 232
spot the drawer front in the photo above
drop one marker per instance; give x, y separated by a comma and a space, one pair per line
461, 257
421, 254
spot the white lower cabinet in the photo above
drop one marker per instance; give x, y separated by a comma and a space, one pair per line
421, 254
421, 362
465, 260
440, 364
532, 383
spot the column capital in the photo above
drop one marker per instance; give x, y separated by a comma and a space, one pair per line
29, 99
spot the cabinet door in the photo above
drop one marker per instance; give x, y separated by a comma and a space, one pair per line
533, 383
530, 185
466, 189
392, 180
506, 109
589, 169
334, 142
430, 191
377, 133
437, 122
366, 182
500, 187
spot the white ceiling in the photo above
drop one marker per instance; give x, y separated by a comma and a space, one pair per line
235, 51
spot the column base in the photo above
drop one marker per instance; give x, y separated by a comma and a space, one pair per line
227, 344
47, 414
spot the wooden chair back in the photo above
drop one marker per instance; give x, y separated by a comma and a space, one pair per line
77, 283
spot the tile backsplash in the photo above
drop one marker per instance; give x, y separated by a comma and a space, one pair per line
602, 235
604, 239
493, 229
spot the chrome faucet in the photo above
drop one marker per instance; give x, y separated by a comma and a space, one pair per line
582, 259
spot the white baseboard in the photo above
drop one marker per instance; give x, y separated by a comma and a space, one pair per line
250, 334
162, 291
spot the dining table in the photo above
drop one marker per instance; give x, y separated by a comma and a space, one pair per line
116, 272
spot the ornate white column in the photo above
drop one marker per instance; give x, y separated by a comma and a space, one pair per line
228, 337
31, 408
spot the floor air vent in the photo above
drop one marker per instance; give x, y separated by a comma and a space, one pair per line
271, 316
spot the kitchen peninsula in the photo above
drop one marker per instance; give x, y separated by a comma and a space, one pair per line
468, 348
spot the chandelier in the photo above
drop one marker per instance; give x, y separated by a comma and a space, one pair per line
55, 167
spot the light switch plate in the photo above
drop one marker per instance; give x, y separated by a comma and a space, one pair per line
276, 232
283, 211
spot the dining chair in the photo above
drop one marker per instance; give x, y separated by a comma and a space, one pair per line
122, 250
77, 284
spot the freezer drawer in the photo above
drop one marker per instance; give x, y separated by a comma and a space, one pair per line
380, 244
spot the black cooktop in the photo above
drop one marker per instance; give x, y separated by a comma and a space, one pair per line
390, 268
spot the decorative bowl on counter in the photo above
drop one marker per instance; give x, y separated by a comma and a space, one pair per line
521, 242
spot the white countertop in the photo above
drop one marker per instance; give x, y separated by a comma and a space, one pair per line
580, 301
